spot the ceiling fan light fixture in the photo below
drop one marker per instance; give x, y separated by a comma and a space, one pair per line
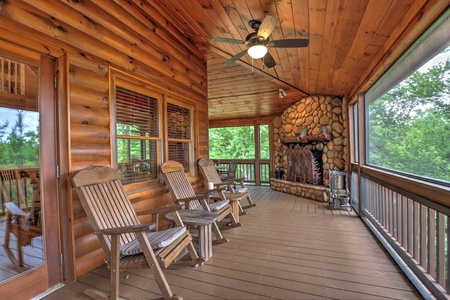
257, 51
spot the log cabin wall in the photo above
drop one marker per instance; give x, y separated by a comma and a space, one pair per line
88, 40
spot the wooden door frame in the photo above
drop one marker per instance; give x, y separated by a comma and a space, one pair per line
37, 280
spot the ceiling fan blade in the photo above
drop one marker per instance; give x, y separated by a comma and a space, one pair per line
269, 61
289, 43
235, 58
267, 26
225, 40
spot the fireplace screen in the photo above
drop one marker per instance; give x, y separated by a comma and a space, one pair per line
304, 166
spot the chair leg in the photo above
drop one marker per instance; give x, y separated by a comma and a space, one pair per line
219, 237
8, 230
155, 267
241, 210
250, 202
114, 267
234, 220
194, 257
18, 235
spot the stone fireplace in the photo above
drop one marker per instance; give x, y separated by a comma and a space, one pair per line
315, 126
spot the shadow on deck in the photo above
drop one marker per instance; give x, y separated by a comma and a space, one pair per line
287, 248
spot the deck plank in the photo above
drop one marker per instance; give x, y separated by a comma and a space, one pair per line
287, 248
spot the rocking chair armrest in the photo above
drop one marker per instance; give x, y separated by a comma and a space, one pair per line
220, 184
14, 209
218, 187
240, 179
160, 210
126, 229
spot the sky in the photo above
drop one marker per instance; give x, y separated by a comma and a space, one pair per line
31, 119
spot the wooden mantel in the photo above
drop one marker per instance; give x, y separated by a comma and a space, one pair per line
309, 139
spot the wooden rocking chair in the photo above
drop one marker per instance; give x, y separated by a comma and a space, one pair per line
126, 242
24, 223
209, 172
183, 194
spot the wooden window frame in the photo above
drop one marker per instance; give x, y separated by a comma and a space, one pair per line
115, 82
190, 141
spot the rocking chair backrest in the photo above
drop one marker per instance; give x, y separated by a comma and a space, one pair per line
105, 202
178, 183
10, 184
231, 174
208, 170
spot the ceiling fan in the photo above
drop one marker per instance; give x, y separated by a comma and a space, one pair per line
258, 42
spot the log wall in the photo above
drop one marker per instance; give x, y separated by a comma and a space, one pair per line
94, 36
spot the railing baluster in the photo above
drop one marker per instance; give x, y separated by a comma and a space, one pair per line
400, 218
416, 231
440, 245
409, 228
423, 236
447, 262
431, 243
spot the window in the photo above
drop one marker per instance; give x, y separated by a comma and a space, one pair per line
179, 132
408, 110
355, 134
138, 136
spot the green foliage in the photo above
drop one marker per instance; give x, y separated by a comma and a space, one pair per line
409, 126
237, 142
18, 148
264, 141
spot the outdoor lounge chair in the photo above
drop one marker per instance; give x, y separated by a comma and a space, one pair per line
183, 194
209, 172
126, 242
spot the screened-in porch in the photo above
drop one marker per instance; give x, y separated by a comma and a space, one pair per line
288, 248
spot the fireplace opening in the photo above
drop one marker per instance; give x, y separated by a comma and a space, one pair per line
304, 165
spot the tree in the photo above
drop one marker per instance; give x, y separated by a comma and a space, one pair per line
18, 148
232, 142
409, 125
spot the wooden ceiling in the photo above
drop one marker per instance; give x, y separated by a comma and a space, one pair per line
351, 44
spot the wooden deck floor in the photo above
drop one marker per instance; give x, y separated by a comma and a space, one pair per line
287, 248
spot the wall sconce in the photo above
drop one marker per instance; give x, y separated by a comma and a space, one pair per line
282, 93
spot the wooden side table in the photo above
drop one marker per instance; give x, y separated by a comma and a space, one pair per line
202, 220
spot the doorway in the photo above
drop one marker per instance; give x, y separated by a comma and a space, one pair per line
29, 218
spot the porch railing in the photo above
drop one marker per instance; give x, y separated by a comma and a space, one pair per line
416, 229
246, 169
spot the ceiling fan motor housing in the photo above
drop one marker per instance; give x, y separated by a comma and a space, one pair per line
253, 39
254, 24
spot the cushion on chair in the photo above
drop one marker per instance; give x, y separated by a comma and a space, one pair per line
159, 239
215, 206
242, 191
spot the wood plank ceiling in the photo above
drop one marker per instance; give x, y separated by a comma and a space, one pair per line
349, 42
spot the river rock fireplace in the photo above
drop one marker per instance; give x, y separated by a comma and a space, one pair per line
309, 139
